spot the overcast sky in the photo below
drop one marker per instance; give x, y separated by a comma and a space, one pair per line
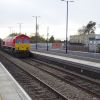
52, 14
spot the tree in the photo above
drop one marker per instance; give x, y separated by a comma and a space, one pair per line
40, 39
51, 40
81, 30
33, 39
13, 34
88, 29
57, 41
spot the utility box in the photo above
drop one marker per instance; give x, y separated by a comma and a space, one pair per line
94, 44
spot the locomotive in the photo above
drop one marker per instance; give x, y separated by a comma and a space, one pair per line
18, 45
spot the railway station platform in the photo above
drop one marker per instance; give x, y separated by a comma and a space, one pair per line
84, 64
9, 88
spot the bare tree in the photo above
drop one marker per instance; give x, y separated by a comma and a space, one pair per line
88, 29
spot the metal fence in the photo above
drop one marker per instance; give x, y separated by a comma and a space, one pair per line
61, 46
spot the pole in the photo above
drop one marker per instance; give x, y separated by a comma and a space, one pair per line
47, 37
66, 26
10, 29
20, 27
36, 30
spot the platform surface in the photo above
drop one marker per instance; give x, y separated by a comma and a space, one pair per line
79, 61
9, 88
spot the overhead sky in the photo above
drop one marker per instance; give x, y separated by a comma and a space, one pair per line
52, 14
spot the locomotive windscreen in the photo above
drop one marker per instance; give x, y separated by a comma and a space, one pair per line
22, 41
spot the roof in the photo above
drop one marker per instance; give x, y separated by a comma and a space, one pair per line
19, 35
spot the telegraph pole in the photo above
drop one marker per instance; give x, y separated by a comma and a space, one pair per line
36, 30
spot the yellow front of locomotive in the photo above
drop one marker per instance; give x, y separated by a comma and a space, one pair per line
22, 43
22, 47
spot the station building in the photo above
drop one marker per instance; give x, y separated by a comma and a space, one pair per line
92, 41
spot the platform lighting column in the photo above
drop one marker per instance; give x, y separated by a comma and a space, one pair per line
36, 30
20, 27
67, 23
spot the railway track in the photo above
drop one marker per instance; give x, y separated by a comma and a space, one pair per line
85, 83
36, 88
56, 88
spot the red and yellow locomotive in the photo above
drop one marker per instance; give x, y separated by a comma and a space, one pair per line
19, 45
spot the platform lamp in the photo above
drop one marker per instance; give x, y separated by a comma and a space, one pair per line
67, 22
36, 29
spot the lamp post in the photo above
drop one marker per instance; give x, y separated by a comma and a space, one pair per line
36, 29
67, 22
20, 27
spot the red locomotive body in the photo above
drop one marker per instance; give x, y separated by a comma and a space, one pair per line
11, 41
17, 44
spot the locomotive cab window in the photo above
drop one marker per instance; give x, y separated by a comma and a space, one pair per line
25, 41
18, 41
